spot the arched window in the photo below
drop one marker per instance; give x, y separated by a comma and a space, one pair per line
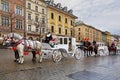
31, 38
52, 15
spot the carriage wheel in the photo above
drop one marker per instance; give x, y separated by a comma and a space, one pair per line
78, 54
56, 56
101, 52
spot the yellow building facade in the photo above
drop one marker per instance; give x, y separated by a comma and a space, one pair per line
60, 20
83, 31
108, 37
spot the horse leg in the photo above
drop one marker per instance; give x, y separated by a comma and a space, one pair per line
21, 56
34, 56
16, 56
84, 52
90, 52
115, 50
20, 48
40, 54
95, 51
87, 53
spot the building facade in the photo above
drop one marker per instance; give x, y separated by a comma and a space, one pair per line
36, 19
108, 37
104, 37
83, 31
11, 17
60, 19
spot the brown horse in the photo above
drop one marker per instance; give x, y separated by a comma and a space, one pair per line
88, 50
112, 50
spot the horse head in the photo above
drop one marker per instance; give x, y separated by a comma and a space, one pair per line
10, 39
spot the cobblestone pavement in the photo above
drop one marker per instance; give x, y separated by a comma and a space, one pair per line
88, 68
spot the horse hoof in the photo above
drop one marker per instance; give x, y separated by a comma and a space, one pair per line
16, 60
20, 62
39, 61
34, 60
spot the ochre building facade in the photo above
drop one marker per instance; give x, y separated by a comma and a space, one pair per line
83, 31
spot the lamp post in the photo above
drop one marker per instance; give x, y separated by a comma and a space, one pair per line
25, 29
42, 24
38, 25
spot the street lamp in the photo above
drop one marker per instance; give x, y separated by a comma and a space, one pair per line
25, 29
42, 25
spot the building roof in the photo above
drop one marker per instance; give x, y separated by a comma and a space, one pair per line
58, 7
80, 23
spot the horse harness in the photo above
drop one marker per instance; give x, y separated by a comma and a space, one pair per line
26, 47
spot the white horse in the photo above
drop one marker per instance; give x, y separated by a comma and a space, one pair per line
21, 44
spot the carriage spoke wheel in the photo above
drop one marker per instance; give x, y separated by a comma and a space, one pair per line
78, 54
57, 56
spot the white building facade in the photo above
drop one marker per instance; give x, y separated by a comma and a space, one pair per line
36, 19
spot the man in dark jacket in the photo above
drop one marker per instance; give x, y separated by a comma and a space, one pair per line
48, 37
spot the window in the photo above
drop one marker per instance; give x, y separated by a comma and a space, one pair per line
36, 18
29, 6
36, 8
18, 24
71, 33
65, 20
65, 31
37, 29
61, 41
52, 15
43, 20
19, 10
5, 6
43, 11
79, 29
29, 27
71, 22
43, 30
65, 40
79, 38
79, 33
60, 18
5, 21
59, 30
52, 28
29, 16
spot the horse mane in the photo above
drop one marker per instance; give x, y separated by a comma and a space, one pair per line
15, 35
